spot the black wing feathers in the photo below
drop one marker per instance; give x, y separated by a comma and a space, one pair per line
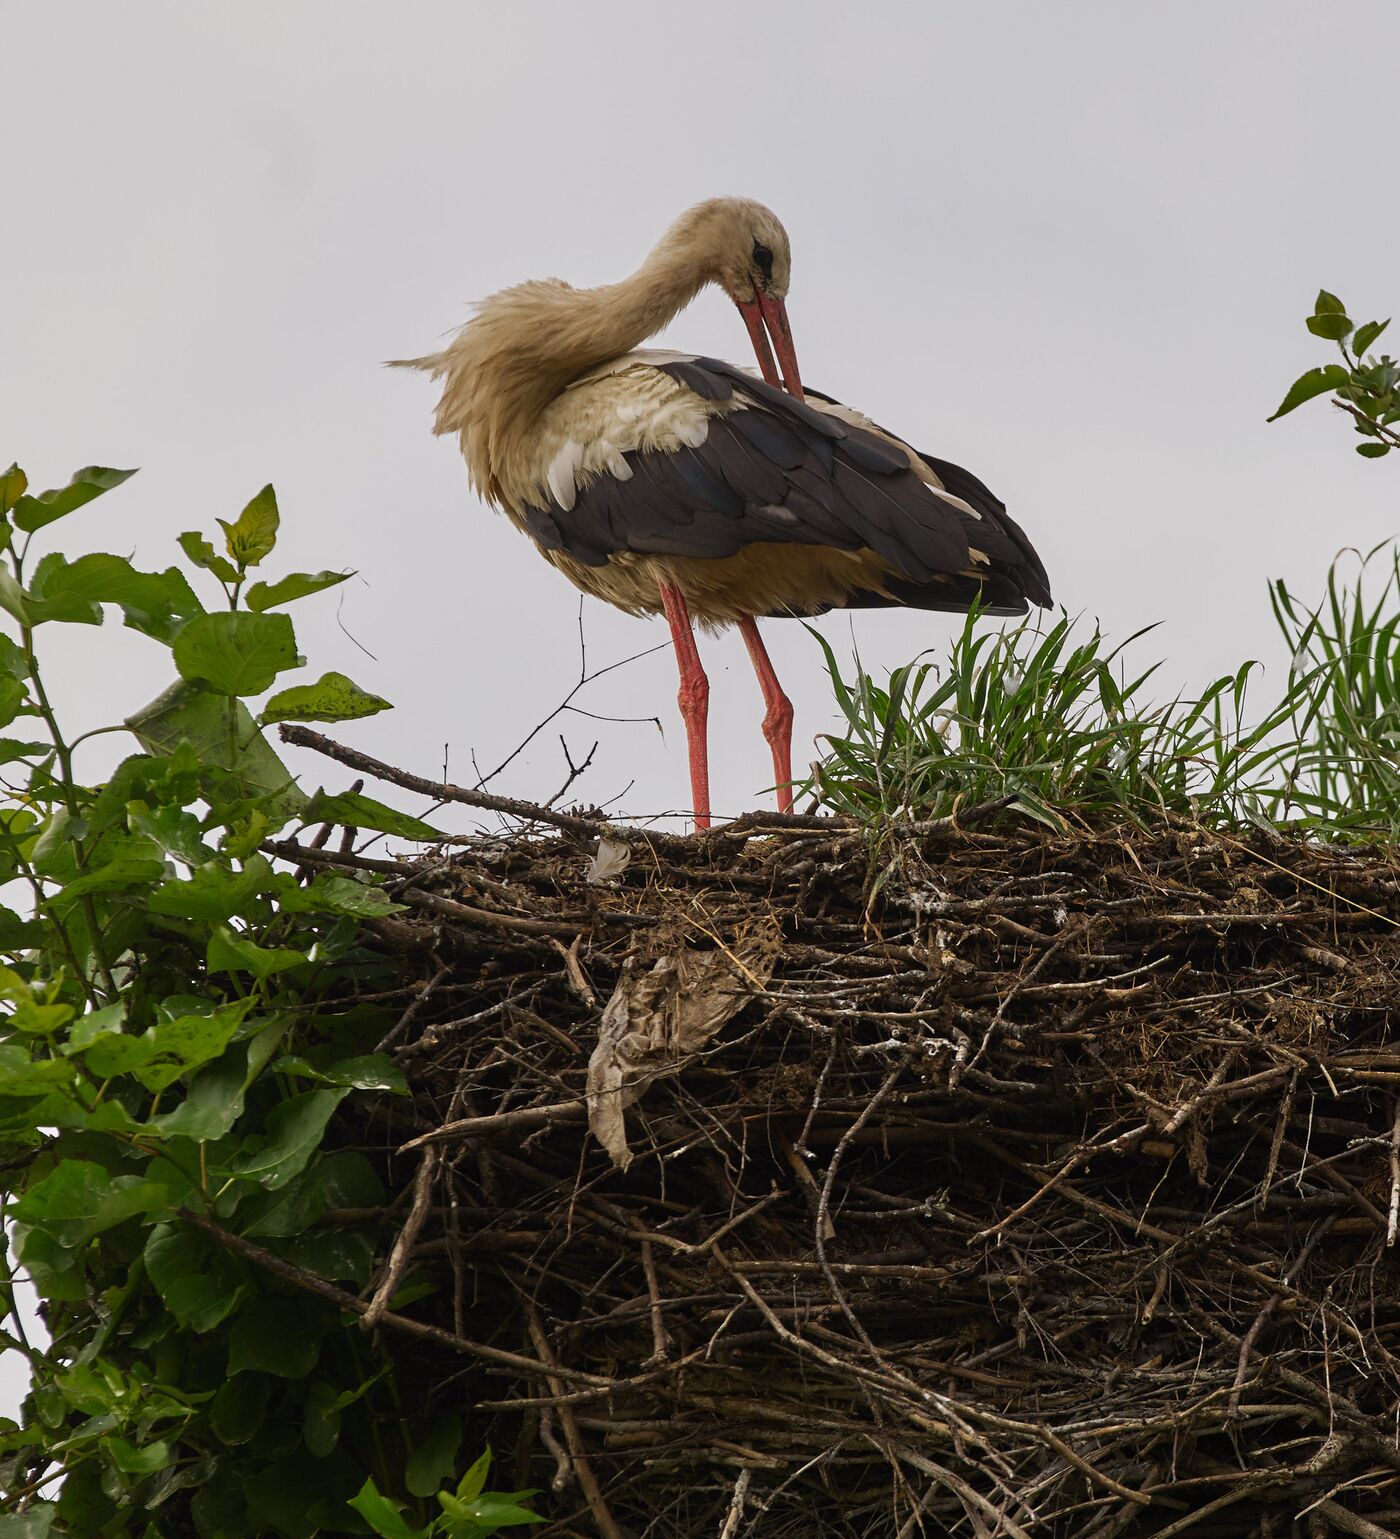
782, 472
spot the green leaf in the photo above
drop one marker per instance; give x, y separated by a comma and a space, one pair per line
493, 1510
35, 1019
190, 713
1332, 327
230, 953
381, 1514
496, 1509
350, 1181
99, 578
219, 1508
355, 810
298, 1496
13, 696
173, 829
79, 1199
1372, 451
32, 513
471, 1485
321, 1428
1315, 382
339, 895
338, 1255
200, 1283
134, 1460
12, 658
13, 485
167, 1050
127, 872
1328, 304
189, 1041
32, 1009
22, 1075
213, 893
240, 1408
34, 1523
254, 532
332, 697
72, 608
236, 653
297, 1207
294, 1130
434, 1455
203, 555
1366, 335
13, 599
276, 1336
295, 585
15, 748
214, 1100
375, 1071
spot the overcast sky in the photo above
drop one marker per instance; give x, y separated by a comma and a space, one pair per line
1068, 246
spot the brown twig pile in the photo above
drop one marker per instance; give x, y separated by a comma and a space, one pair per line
1025, 1186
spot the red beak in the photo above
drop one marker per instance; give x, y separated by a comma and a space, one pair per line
766, 312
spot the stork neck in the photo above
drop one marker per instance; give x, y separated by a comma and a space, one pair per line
528, 343
555, 333
639, 306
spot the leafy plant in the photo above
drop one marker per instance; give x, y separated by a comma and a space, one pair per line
1366, 387
186, 1045
468, 1512
1056, 722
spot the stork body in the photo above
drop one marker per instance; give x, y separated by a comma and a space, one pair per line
667, 482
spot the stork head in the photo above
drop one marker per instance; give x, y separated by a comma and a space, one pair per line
743, 248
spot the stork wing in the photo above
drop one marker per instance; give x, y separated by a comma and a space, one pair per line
774, 470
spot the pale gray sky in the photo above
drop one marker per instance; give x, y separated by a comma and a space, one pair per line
1068, 246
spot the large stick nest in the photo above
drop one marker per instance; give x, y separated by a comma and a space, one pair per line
957, 1182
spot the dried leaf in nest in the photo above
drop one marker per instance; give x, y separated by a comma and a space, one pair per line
664, 1011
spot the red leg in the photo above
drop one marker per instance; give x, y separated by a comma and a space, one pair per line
694, 699
777, 720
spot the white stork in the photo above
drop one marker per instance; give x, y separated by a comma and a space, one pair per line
668, 482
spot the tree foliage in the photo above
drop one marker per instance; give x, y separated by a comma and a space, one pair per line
1362, 385
187, 1031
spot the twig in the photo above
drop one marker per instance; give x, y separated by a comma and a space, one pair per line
575, 770
415, 1007
403, 1246
357, 1306
732, 1518
566, 704
660, 1338
501, 1122
1393, 1218
1352, 1523
442, 791
583, 1470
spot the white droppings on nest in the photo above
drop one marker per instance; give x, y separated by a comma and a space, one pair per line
1061, 917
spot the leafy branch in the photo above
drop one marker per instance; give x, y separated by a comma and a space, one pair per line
186, 1029
1365, 387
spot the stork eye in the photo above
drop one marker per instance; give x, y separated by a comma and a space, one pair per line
764, 258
